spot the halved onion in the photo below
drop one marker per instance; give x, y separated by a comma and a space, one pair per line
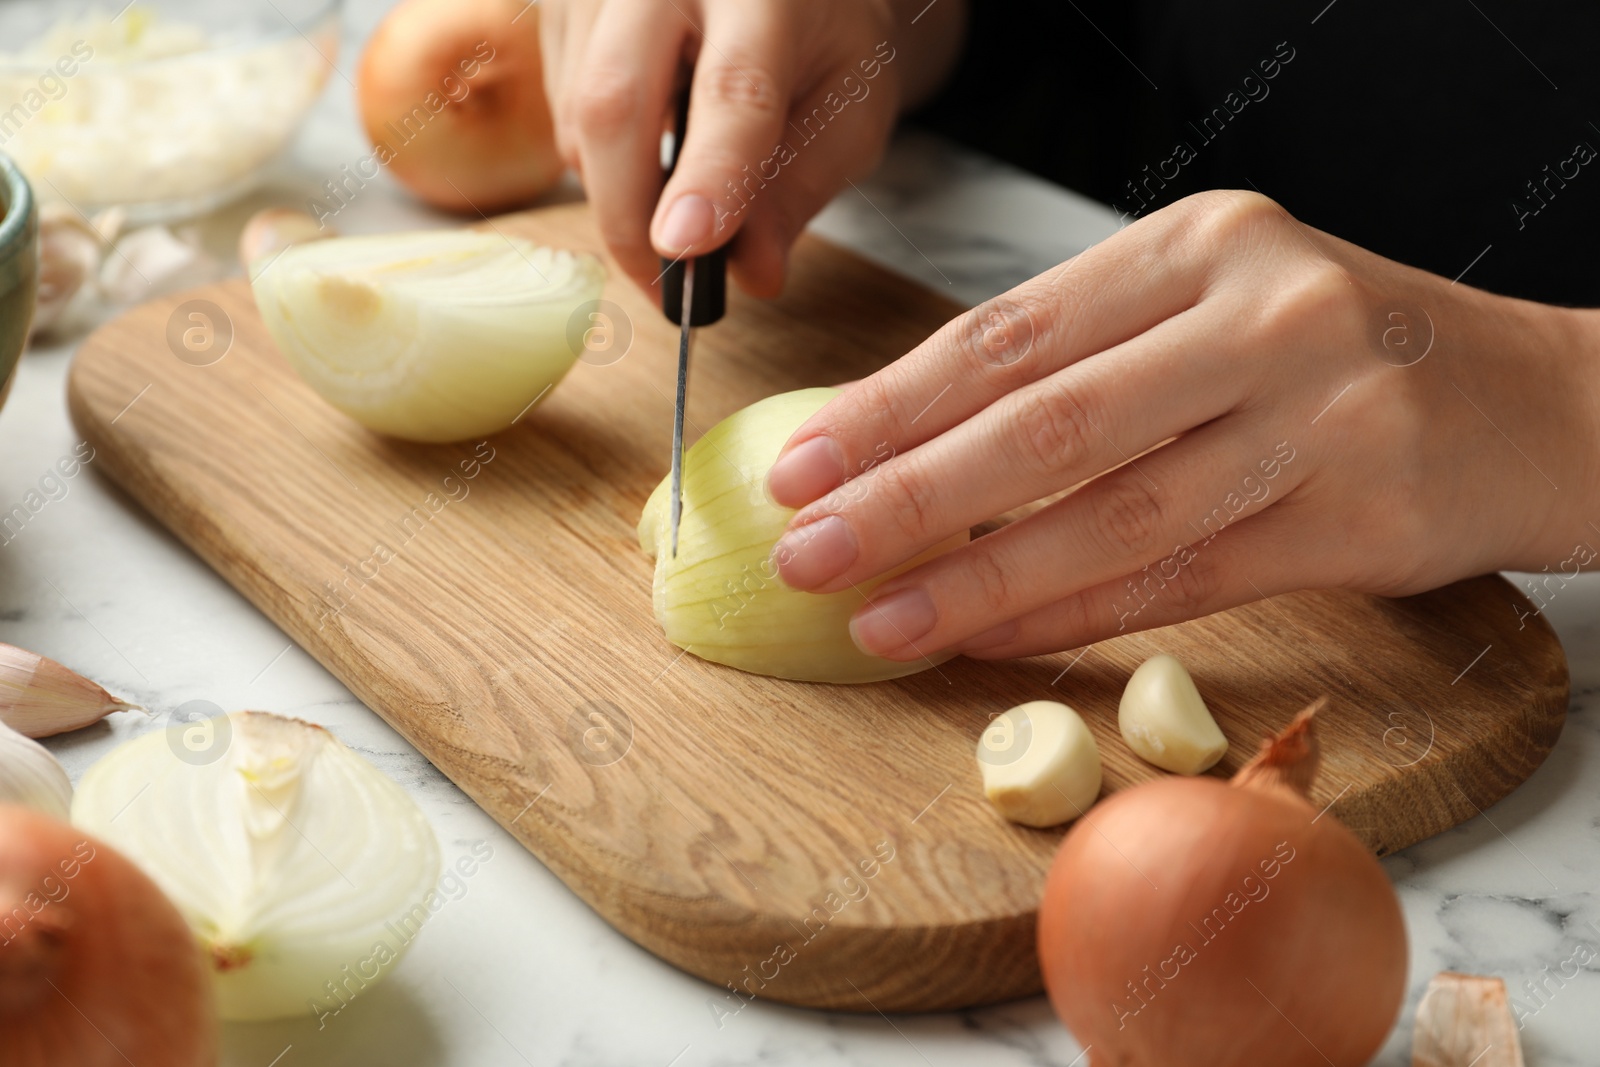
303, 870
433, 336
720, 598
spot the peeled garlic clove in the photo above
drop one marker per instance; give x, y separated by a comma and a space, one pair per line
39, 697
720, 597
437, 336
1465, 1021
1040, 764
303, 870
31, 776
1164, 720
70, 252
274, 229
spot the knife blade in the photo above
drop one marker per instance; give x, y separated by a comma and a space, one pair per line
685, 340
689, 305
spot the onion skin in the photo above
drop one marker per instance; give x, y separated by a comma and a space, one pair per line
115, 949
492, 145
1296, 947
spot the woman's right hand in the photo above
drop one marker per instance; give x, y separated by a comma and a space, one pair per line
790, 100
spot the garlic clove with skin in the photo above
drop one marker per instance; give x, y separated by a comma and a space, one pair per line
31, 776
70, 253
39, 697
302, 869
1165, 721
152, 261
1465, 1020
1040, 764
271, 230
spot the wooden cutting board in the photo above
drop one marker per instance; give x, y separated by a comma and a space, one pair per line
816, 844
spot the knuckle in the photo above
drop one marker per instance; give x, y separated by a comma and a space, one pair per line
1078, 619
1055, 427
991, 585
1002, 332
876, 401
909, 499
1321, 300
606, 104
1224, 216
742, 82
1192, 590
1130, 517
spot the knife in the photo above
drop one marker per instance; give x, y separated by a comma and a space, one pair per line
693, 293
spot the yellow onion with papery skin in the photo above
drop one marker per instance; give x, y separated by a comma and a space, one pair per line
721, 597
1208, 923
97, 968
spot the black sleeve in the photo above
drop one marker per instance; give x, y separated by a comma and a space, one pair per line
1441, 134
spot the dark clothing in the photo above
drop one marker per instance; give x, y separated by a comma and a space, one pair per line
1418, 129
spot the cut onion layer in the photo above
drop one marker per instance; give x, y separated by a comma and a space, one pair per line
433, 336
302, 869
721, 598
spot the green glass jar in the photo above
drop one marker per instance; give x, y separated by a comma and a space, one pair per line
19, 268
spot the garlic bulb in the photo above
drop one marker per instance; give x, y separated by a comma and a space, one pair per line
303, 870
721, 598
435, 336
31, 776
39, 697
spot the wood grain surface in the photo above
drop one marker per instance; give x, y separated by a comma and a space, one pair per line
821, 845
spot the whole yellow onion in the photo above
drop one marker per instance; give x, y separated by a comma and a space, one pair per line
97, 968
1213, 924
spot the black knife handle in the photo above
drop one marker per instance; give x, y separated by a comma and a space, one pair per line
710, 270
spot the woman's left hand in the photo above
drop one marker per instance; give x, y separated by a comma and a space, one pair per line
1251, 407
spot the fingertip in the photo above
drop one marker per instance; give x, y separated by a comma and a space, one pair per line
683, 223
805, 472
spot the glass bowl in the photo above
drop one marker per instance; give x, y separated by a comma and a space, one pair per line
166, 108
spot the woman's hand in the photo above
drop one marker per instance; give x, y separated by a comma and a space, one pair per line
790, 100
1253, 406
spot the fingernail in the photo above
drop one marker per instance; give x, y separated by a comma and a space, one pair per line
993, 637
688, 222
893, 622
805, 472
815, 553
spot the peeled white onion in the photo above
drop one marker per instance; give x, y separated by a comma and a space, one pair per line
302, 869
433, 336
721, 598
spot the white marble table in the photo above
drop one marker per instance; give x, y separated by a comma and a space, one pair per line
518, 970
